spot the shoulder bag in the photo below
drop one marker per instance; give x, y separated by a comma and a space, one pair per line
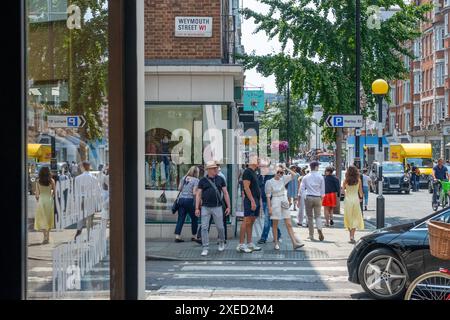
219, 194
176, 205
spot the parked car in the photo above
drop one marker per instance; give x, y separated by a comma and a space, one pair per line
386, 261
394, 177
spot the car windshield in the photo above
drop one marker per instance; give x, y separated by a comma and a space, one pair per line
325, 158
443, 216
421, 162
392, 167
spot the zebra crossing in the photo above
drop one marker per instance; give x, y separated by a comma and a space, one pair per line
250, 279
94, 284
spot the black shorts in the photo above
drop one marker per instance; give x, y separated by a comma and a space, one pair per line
248, 212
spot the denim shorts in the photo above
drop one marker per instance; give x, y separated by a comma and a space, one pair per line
248, 212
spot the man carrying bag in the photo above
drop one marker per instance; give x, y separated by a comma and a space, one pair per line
209, 195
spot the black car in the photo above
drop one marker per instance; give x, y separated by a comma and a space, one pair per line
386, 261
394, 177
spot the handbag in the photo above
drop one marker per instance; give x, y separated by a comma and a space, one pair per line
176, 205
285, 204
162, 198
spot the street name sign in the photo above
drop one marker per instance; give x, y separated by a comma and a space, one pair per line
64, 121
193, 26
344, 121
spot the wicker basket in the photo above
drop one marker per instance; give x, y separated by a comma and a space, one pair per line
439, 239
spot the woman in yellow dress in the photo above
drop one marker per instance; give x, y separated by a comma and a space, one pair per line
353, 195
45, 217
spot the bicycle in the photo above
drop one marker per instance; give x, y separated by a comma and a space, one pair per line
441, 197
433, 285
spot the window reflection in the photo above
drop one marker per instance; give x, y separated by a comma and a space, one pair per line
68, 149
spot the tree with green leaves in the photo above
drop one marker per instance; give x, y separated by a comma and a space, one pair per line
275, 117
321, 63
75, 58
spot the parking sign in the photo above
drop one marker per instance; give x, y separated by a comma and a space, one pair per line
344, 121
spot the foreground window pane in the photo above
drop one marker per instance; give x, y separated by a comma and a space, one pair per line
67, 153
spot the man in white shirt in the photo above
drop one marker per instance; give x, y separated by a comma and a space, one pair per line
85, 184
313, 187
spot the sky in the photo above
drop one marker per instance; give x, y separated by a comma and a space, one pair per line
260, 44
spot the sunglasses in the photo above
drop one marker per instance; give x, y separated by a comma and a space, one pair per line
280, 172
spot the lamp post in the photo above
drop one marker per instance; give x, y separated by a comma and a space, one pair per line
358, 73
379, 89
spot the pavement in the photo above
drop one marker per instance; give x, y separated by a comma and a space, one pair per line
176, 270
335, 246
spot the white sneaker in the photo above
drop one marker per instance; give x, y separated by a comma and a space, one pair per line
221, 246
310, 238
205, 252
252, 247
243, 248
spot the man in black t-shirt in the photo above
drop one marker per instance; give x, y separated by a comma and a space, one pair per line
212, 191
252, 205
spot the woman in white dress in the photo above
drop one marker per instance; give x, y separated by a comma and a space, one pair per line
278, 204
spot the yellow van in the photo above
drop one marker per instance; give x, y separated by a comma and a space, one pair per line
38, 155
419, 154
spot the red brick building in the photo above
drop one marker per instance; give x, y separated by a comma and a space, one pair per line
419, 111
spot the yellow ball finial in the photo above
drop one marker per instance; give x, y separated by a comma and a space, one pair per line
380, 86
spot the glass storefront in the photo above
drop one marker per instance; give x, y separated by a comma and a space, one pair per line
68, 149
178, 137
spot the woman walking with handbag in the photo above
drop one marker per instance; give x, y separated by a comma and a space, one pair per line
184, 203
278, 204
353, 195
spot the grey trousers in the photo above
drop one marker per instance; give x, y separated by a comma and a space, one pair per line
313, 206
217, 214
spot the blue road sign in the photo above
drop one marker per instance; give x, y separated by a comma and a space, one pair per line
344, 121
72, 122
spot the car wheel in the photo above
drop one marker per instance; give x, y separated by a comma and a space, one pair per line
382, 275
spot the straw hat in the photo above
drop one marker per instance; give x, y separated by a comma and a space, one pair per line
211, 165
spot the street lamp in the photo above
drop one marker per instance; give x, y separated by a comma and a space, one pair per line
379, 88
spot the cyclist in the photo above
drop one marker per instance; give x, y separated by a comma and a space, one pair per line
440, 172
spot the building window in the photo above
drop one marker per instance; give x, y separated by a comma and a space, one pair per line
407, 62
416, 115
439, 36
417, 45
439, 111
446, 3
407, 121
392, 123
417, 82
406, 91
392, 95
446, 24
440, 74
